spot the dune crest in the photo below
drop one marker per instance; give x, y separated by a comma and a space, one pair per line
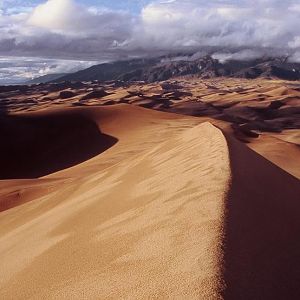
143, 220
174, 209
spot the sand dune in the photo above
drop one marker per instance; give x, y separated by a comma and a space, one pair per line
262, 223
257, 110
171, 209
283, 154
37, 144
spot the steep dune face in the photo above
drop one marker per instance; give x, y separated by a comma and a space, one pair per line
173, 209
37, 144
283, 154
262, 229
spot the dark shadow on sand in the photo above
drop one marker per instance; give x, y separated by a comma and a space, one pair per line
40, 144
262, 244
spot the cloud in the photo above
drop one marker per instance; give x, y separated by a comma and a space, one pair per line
65, 29
54, 14
295, 57
19, 69
225, 24
242, 55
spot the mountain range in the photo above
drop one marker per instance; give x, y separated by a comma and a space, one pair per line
46, 78
160, 69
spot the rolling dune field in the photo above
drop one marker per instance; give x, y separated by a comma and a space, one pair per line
184, 191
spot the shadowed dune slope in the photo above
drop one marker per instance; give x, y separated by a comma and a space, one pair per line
283, 154
179, 211
262, 256
37, 144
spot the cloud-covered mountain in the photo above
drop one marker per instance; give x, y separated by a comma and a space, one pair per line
160, 69
65, 29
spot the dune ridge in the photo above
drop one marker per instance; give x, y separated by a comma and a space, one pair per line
174, 209
254, 111
261, 256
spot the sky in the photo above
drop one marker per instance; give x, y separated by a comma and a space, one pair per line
42, 37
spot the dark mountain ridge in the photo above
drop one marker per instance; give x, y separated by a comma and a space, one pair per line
158, 69
46, 78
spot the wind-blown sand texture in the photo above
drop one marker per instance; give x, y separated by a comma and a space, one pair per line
125, 202
264, 114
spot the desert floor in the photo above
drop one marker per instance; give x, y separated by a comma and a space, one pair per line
186, 189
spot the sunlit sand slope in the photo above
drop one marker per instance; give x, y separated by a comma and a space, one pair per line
174, 209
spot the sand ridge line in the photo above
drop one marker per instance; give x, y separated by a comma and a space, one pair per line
160, 198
